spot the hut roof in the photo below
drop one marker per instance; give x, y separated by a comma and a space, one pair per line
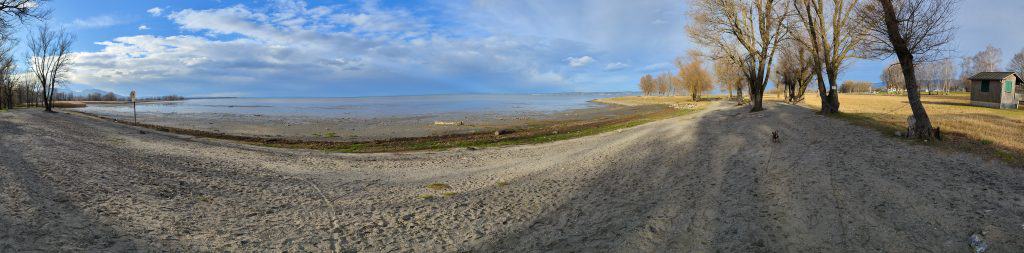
994, 76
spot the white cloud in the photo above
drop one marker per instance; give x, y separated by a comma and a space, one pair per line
143, 27
96, 22
577, 62
289, 47
615, 66
155, 11
256, 50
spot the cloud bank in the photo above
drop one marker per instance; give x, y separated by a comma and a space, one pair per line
291, 48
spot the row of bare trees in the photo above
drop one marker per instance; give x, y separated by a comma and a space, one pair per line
665, 84
692, 78
47, 61
851, 86
816, 39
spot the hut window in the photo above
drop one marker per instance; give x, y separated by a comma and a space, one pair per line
1008, 87
984, 86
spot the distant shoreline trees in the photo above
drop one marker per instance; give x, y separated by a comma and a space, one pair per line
851, 86
692, 78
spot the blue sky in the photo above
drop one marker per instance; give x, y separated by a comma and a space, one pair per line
293, 48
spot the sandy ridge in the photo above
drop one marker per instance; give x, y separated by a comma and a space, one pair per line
701, 182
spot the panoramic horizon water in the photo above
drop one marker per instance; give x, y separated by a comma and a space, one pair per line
369, 107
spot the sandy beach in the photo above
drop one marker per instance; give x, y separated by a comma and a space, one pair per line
373, 128
710, 181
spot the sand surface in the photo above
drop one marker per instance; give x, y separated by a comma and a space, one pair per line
711, 181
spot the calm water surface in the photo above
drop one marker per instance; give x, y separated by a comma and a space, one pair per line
368, 107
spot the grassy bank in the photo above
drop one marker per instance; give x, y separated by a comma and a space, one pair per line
993, 132
532, 134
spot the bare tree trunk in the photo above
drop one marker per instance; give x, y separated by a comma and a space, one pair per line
833, 94
756, 96
922, 125
739, 94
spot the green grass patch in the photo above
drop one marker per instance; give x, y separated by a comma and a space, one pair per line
425, 196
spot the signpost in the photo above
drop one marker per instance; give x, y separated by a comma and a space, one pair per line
135, 114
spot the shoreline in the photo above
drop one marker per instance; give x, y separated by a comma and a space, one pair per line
559, 126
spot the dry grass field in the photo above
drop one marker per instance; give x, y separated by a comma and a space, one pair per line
988, 131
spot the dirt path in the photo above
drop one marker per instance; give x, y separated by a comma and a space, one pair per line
705, 182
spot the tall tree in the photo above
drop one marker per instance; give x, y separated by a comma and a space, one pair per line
647, 85
913, 30
831, 35
50, 59
695, 78
747, 32
893, 78
1017, 63
988, 60
8, 69
947, 74
795, 70
966, 71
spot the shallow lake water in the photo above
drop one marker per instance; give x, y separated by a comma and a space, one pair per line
370, 107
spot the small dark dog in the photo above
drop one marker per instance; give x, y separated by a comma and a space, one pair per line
775, 136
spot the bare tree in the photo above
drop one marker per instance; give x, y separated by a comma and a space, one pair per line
19, 11
695, 78
893, 78
747, 32
50, 59
647, 85
8, 69
663, 84
947, 72
927, 73
913, 30
678, 85
831, 35
966, 71
795, 70
988, 60
730, 77
1017, 63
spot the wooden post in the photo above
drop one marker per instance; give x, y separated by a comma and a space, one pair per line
135, 114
